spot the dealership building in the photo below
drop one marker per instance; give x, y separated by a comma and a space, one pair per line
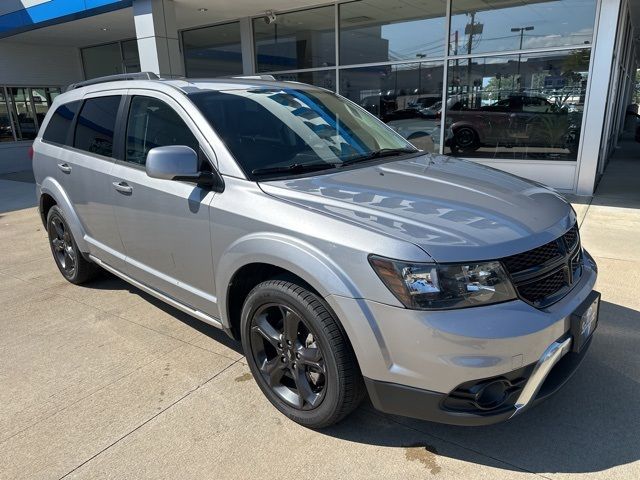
539, 88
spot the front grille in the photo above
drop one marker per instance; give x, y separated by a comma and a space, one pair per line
542, 288
571, 237
532, 258
545, 274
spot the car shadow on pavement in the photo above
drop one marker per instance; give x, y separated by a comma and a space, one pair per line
590, 425
108, 281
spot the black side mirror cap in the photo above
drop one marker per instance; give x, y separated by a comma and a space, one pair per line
205, 179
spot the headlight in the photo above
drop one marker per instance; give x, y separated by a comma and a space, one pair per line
428, 286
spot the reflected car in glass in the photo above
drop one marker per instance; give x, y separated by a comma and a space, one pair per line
516, 122
346, 261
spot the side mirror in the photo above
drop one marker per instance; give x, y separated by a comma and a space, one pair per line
174, 162
179, 162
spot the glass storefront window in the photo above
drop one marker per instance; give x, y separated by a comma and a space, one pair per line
53, 93
479, 26
383, 31
526, 106
130, 56
319, 78
111, 59
102, 60
406, 97
26, 123
22, 111
296, 40
42, 100
6, 130
213, 51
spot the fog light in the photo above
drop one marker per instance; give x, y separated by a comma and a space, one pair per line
492, 395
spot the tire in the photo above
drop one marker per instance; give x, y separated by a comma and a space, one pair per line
299, 355
465, 140
70, 261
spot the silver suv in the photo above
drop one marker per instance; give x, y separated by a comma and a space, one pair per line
345, 260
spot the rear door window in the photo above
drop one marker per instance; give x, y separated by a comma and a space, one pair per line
58, 128
96, 124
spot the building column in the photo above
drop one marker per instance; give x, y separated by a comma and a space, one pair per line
157, 34
599, 95
246, 44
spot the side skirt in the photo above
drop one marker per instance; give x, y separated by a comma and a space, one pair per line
171, 301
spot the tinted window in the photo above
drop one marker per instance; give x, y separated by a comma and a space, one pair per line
152, 123
60, 123
96, 123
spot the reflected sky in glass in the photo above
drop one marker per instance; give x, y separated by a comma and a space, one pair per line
545, 23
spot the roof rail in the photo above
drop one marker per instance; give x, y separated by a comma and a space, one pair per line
252, 77
115, 78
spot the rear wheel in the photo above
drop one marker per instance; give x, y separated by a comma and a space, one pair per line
299, 354
73, 266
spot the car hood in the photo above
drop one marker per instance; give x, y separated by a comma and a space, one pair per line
455, 210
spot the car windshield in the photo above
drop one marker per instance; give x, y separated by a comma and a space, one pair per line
275, 131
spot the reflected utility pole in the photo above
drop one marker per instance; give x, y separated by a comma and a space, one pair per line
521, 30
471, 29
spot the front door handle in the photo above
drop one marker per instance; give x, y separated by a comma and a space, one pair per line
122, 187
65, 167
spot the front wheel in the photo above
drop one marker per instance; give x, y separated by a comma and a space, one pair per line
299, 355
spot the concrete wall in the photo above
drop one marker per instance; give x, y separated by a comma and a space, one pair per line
33, 65
39, 65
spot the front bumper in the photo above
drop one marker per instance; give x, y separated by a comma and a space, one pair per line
553, 370
424, 360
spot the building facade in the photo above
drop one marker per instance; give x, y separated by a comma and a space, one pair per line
538, 88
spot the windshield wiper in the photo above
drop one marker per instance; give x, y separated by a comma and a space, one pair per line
294, 168
383, 152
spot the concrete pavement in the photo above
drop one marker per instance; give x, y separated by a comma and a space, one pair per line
103, 381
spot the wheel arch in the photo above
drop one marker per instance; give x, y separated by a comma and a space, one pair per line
52, 191
260, 257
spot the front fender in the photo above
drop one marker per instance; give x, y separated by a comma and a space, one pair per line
292, 254
51, 187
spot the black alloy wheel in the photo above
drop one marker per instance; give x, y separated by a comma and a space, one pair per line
70, 261
62, 246
288, 356
299, 354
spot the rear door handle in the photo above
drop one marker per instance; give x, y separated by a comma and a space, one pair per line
65, 167
122, 187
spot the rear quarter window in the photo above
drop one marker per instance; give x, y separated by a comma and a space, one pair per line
57, 130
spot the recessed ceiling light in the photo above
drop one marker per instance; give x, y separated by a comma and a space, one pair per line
203, 10
104, 29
